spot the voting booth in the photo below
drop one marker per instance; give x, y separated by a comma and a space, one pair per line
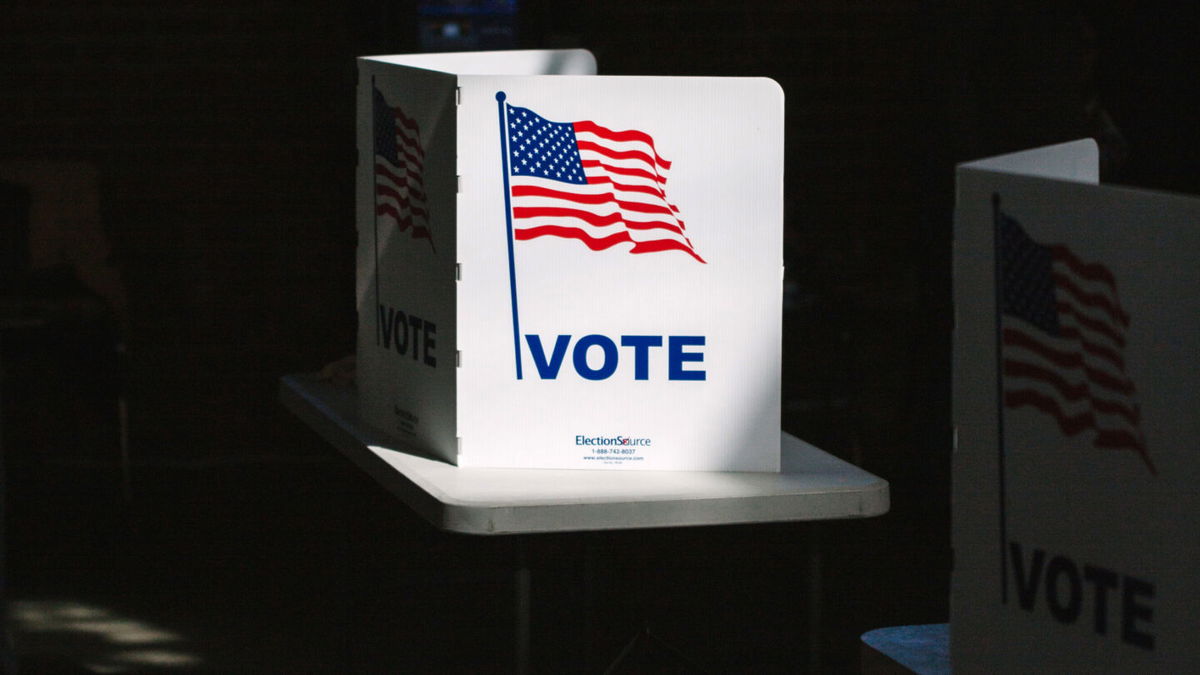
1077, 420
563, 270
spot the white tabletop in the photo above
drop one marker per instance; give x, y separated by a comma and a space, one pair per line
813, 485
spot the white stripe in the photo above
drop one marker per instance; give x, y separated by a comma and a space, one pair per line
407, 170
1075, 375
1072, 376
1087, 286
605, 209
1074, 408
1096, 337
621, 146
626, 163
405, 138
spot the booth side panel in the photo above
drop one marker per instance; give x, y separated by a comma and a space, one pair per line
1074, 405
406, 214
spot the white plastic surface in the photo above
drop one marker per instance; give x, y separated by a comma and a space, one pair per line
813, 485
512, 62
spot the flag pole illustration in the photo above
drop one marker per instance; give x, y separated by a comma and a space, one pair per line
1060, 342
585, 182
512, 267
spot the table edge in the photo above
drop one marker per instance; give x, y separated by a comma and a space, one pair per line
452, 514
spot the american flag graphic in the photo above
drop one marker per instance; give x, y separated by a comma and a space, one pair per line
399, 164
1063, 339
583, 181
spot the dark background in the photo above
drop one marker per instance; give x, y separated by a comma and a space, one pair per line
222, 138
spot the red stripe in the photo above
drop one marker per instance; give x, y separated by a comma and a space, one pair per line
1067, 360
601, 243
619, 154
1119, 439
581, 198
417, 162
1102, 351
1070, 425
414, 144
413, 186
621, 171
1089, 271
587, 126
642, 207
1114, 439
1069, 391
417, 211
522, 212
1091, 299
1090, 323
594, 243
403, 222
1018, 338
627, 187
1133, 416
588, 217
405, 121
665, 245
653, 225
387, 191
586, 198
411, 165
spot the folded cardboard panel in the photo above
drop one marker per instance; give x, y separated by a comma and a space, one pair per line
1075, 411
567, 270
